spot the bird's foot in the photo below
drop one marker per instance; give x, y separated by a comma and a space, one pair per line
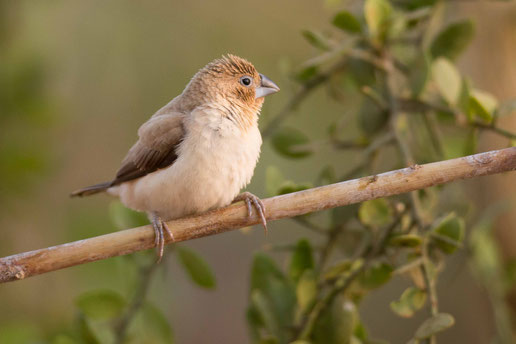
251, 200
160, 228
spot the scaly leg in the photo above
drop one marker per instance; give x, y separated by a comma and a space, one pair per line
251, 200
159, 236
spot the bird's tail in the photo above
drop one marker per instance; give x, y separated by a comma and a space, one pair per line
91, 190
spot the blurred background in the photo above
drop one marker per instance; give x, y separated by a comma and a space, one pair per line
78, 78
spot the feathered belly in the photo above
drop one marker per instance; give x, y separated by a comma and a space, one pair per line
205, 176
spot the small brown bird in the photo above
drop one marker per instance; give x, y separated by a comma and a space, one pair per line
198, 151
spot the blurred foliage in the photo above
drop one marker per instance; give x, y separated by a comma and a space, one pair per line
24, 108
392, 55
398, 58
106, 316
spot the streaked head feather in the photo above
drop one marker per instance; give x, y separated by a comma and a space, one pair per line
218, 84
232, 65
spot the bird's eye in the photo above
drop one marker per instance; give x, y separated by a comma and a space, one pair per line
246, 81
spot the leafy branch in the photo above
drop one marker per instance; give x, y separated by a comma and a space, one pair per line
395, 58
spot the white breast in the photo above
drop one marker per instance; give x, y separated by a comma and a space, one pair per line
215, 161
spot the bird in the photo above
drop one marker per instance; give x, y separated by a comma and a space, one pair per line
198, 151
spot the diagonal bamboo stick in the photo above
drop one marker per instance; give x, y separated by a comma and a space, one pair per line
23, 265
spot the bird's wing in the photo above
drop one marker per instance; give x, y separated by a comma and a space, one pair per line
155, 148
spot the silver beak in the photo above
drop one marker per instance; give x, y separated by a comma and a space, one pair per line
267, 86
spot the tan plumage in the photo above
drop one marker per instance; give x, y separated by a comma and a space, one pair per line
199, 150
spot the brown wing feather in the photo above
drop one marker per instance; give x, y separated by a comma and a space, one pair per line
155, 149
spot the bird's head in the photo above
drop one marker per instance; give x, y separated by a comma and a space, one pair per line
232, 80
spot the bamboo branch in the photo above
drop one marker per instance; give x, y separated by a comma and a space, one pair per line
23, 265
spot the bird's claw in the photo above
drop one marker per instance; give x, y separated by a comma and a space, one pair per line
159, 236
251, 200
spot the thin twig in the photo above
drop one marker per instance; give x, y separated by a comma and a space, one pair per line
375, 97
433, 131
144, 280
408, 267
348, 144
310, 225
319, 79
494, 129
379, 143
417, 104
301, 95
340, 286
344, 282
328, 247
429, 282
23, 265
430, 285
394, 110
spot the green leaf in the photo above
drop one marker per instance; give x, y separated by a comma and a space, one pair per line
450, 230
149, 325
405, 240
419, 73
306, 290
361, 73
341, 268
453, 40
96, 332
269, 340
375, 213
487, 263
346, 21
265, 310
412, 5
101, 304
448, 80
456, 145
156, 325
434, 325
263, 270
123, 217
483, 105
197, 268
412, 300
285, 140
341, 215
19, 333
485, 253
464, 99
327, 175
273, 180
254, 322
371, 118
276, 293
302, 259
335, 324
306, 73
60, 339
316, 39
376, 275
378, 18
398, 26
289, 186
470, 144
509, 274
360, 333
